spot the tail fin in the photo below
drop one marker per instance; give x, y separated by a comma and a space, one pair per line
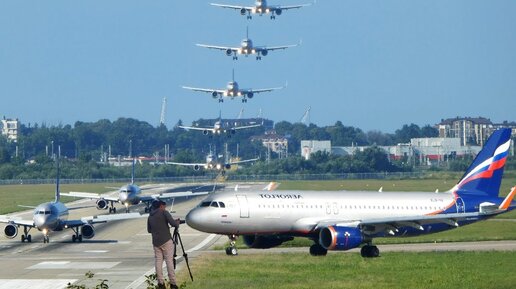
132, 173
58, 192
484, 175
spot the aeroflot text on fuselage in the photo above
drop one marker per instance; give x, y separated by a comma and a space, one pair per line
280, 196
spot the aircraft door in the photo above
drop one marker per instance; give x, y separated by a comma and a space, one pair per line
459, 203
335, 208
244, 206
328, 209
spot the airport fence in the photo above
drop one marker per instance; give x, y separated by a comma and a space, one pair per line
231, 177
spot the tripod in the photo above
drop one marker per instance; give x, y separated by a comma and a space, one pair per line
177, 240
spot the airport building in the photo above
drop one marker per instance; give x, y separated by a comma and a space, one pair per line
10, 128
471, 130
274, 143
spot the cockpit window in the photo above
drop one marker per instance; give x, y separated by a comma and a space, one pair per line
214, 204
221, 204
205, 204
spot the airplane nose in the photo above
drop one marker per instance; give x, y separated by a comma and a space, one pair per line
39, 221
196, 220
123, 197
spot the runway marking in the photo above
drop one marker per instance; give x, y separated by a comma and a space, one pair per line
96, 251
35, 283
138, 282
73, 265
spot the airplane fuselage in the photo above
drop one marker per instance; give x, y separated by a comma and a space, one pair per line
50, 216
129, 195
297, 212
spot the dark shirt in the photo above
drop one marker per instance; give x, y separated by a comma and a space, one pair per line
158, 225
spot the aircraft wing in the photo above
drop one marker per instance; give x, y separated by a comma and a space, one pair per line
187, 164
197, 128
287, 7
246, 91
234, 49
93, 196
165, 196
236, 7
271, 48
244, 161
103, 219
245, 126
16, 221
373, 226
208, 90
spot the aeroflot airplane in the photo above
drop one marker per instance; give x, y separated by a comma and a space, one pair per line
346, 220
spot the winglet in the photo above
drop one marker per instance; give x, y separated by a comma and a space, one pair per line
507, 201
271, 186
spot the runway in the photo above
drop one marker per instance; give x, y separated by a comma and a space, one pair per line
121, 253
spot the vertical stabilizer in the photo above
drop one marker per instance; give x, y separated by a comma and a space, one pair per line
484, 175
132, 173
58, 173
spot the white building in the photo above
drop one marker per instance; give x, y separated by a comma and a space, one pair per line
309, 147
10, 129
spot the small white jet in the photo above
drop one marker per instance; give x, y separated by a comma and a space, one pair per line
247, 48
53, 216
219, 128
233, 90
212, 163
260, 7
129, 195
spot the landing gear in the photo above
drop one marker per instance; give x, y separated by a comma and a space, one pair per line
249, 17
221, 100
76, 237
235, 58
318, 250
273, 17
46, 239
244, 100
370, 251
258, 58
26, 236
232, 250
112, 209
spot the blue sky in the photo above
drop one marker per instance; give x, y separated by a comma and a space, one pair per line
375, 65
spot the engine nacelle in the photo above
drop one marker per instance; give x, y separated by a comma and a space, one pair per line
229, 52
227, 166
250, 95
243, 11
11, 231
340, 238
205, 132
87, 231
278, 11
264, 52
265, 242
232, 131
102, 204
214, 94
196, 167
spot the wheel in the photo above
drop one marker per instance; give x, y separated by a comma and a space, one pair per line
80, 238
146, 210
369, 251
318, 250
114, 210
233, 251
74, 238
23, 238
375, 252
29, 238
110, 210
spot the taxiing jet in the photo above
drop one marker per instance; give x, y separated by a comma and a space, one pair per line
232, 90
219, 128
53, 216
344, 220
247, 48
128, 195
260, 7
212, 163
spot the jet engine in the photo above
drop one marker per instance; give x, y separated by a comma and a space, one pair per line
340, 238
11, 231
265, 242
250, 95
196, 167
229, 52
278, 12
227, 166
205, 132
232, 131
214, 94
243, 11
264, 52
87, 231
102, 204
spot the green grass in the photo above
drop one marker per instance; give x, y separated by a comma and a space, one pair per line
391, 270
33, 195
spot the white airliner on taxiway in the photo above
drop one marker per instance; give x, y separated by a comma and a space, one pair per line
345, 220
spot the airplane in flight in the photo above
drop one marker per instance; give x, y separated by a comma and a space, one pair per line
53, 216
247, 48
212, 163
342, 220
128, 195
233, 90
261, 7
219, 128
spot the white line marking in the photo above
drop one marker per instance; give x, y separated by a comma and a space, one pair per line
35, 283
202, 244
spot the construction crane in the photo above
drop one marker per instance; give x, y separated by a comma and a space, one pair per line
163, 111
306, 116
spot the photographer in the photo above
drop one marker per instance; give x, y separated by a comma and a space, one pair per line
158, 224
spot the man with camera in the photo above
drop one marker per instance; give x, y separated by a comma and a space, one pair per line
159, 223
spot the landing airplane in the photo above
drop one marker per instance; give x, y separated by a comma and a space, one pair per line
345, 220
212, 164
128, 195
53, 216
219, 128
232, 90
260, 7
246, 48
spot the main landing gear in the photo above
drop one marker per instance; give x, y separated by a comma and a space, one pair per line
318, 250
76, 237
232, 250
46, 239
370, 251
26, 236
112, 208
